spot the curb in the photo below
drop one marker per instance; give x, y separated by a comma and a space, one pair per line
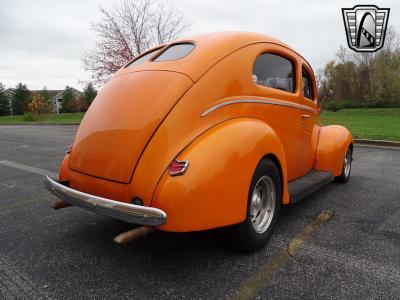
383, 143
366, 142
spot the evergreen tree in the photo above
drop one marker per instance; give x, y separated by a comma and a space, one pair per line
68, 96
46, 95
4, 104
20, 98
89, 93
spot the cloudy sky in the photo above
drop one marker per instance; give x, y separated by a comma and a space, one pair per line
42, 41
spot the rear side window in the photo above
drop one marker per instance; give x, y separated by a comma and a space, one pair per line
143, 58
176, 51
307, 85
274, 71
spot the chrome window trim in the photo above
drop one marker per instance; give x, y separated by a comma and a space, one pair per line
257, 101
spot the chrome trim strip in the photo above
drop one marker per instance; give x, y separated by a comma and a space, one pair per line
135, 214
269, 101
305, 107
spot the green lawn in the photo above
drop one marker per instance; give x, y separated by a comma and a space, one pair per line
368, 123
70, 118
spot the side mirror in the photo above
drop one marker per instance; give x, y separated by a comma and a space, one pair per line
329, 93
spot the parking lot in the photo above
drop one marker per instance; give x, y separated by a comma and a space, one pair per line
70, 253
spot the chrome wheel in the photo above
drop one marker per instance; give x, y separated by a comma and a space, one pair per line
347, 163
262, 206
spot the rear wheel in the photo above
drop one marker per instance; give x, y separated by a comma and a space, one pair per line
264, 202
346, 170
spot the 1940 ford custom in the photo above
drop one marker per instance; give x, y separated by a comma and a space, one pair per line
215, 130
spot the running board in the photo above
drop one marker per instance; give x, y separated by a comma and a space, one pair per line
308, 184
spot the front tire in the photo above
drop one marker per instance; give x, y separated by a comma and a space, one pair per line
263, 207
346, 169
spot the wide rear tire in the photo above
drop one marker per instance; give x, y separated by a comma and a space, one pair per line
263, 207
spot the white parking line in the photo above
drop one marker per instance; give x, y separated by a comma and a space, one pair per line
19, 166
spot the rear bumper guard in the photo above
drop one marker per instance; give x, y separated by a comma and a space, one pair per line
131, 213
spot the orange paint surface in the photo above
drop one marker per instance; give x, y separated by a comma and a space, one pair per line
150, 114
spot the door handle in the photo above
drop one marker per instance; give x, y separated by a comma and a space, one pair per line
305, 117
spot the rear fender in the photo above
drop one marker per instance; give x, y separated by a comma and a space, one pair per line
333, 143
63, 173
214, 190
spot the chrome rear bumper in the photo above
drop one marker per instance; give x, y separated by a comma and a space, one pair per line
130, 213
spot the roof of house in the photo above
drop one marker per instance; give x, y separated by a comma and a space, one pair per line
76, 92
52, 93
9, 91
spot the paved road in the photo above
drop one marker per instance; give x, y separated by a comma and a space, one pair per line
70, 253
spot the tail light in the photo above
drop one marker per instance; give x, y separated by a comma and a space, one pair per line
178, 167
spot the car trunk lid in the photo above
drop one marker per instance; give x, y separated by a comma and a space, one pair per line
121, 121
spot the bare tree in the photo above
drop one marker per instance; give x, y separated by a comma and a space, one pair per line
128, 29
366, 79
321, 82
342, 54
392, 42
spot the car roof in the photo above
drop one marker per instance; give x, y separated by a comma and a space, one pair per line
210, 48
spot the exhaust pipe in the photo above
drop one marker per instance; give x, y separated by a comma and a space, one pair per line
60, 204
134, 234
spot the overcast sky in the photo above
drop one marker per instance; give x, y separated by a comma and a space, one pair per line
42, 41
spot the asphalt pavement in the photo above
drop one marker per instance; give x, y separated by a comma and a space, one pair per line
70, 254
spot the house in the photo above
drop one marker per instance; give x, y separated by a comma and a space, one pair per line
52, 94
9, 94
56, 97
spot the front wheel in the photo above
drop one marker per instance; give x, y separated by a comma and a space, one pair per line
346, 170
264, 202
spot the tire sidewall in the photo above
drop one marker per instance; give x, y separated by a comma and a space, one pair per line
253, 240
343, 178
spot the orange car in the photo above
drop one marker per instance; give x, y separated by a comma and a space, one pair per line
215, 130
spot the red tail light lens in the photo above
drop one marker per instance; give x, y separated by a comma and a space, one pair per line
178, 167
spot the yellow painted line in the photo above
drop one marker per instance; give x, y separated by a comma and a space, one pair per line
258, 281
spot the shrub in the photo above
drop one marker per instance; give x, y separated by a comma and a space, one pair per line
29, 117
332, 106
38, 107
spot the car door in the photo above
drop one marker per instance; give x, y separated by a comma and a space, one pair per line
275, 77
309, 120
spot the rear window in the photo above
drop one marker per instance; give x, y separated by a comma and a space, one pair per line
176, 51
143, 58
